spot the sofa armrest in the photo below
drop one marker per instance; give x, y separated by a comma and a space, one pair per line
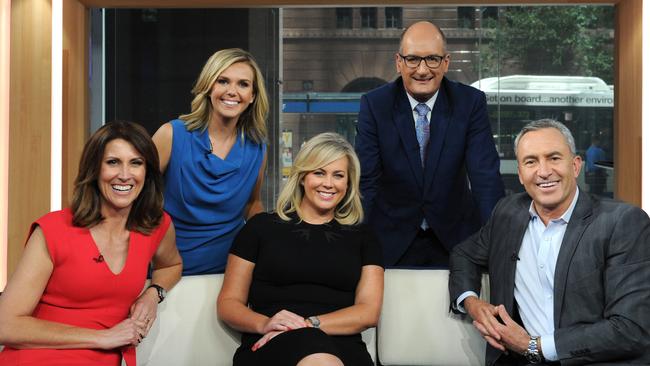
416, 326
187, 331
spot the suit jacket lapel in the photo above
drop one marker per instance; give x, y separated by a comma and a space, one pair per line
440, 119
405, 125
513, 244
580, 219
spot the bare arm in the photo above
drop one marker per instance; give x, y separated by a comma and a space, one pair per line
167, 268
233, 299
254, 205
163, 140
365, 312
21, 330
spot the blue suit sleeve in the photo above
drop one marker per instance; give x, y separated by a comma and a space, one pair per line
367, 148
482, 160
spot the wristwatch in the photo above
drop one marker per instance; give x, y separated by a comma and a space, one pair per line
161, 292
314, 321
533, 354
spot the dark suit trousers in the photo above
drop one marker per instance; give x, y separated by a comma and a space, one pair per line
425, 251
514, 359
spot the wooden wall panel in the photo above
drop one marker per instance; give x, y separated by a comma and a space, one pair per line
29, 115
75, 92
627, 102
5, 32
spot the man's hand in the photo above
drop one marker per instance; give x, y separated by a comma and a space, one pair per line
513, 335
504, 334
484, 315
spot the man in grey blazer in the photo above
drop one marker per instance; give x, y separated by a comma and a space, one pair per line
569, 272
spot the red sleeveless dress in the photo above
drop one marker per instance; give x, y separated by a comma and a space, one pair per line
82, 290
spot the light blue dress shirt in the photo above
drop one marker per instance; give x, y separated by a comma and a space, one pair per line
534, 276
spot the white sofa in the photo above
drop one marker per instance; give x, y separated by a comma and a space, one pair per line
415, 328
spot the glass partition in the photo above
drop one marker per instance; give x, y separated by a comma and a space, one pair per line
531, 61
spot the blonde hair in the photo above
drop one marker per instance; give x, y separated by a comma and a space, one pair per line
318, 152
253, 121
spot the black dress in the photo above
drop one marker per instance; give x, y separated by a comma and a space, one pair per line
309, 270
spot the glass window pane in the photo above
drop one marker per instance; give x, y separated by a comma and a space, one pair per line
344, 18
368, 17
393, 17
154, 56
531, 61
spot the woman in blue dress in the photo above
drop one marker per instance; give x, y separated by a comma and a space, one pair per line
213, 160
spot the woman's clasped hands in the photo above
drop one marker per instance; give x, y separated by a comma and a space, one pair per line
128, 332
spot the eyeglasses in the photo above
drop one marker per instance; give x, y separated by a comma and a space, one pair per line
432, 61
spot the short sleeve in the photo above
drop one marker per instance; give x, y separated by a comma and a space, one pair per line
53, 226
371, 249
246, 243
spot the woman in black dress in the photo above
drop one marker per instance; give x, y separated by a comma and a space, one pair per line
302, 283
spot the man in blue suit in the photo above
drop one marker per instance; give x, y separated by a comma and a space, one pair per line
429, 166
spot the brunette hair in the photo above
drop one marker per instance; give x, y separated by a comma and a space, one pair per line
147, 210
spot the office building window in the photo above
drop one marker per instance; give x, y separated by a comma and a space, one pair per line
368, 17
393, 17
465, 17
344, 18
489, 12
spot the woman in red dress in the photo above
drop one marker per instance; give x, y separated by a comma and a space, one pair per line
76, 296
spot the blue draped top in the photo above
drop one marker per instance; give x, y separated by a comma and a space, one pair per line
206, 195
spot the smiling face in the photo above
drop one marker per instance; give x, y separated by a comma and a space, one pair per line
422, 39
232, 92
121, 176
548, 171
324, 189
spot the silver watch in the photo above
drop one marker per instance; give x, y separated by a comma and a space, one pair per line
533, 354
314, 321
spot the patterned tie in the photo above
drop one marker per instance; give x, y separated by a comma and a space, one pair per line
422, 128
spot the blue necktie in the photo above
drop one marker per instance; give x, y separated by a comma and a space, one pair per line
422, 129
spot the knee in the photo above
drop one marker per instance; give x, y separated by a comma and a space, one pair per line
320, 359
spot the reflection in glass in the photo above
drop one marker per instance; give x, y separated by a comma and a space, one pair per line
532, 62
